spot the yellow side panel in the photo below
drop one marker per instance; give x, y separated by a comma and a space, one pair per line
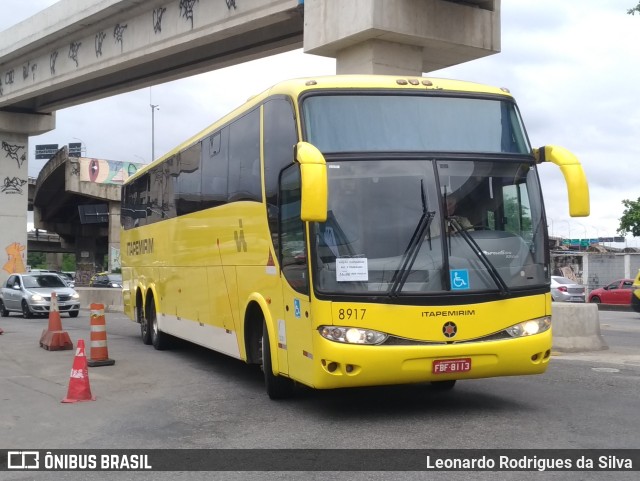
219, 299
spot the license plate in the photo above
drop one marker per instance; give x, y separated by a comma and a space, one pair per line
448, 366
576, 299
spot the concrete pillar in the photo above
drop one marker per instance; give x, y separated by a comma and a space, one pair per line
14, 176
54, 261
86, 259
627, 266
380, 57
114, 236
401, 36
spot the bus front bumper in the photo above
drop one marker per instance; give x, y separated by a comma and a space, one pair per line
346, 365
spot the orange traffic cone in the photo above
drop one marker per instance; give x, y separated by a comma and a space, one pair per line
99, 350
54, 338
79, 388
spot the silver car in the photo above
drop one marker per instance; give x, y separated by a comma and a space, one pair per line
564, 289
30, 294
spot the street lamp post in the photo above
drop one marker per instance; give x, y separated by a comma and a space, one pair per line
153, 131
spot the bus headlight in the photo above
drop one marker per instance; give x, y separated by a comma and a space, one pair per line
529, 328
352, 335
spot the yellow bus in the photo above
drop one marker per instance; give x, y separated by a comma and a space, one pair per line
310, 231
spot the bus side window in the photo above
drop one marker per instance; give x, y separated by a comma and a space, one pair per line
215, 169
280, 136
187, 195
244, 158
293, 251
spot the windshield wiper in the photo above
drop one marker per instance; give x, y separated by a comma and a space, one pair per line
493, 272
411, 252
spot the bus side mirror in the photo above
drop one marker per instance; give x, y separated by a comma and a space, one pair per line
574, 177
313, 172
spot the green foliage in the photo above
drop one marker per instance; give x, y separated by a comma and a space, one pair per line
68, 262
630, 220
37, 260
632, 11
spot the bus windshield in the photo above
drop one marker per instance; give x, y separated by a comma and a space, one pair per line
398, 123
391, 228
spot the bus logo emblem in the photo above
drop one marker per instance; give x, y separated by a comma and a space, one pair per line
241, 244
449, 329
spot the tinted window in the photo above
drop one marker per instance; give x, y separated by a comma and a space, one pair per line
215, 168
133, 212
244, 158
293, 252
279, 138
188, 186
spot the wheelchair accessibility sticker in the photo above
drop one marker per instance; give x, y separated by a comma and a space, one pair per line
296, 308
459, 279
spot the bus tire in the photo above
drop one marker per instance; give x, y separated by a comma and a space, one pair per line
278, 387
145, 328
159, 339
443, 385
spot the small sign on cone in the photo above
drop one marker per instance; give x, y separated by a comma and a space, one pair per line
79, 387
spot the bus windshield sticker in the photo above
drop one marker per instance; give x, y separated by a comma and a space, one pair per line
350, 269
459, 279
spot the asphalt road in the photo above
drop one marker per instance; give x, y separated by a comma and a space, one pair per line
193, 398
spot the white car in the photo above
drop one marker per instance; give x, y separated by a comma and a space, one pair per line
30, 294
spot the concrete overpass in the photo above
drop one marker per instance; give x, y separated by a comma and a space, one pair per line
81, 50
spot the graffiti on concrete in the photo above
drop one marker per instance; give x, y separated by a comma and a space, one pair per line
100, 36
118, 34
186, 9
73, 51
15, 251
157, 19
52, 61
12, 186
13, 152
231, 3
9, 77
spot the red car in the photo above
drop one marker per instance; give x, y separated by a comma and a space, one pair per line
618, 292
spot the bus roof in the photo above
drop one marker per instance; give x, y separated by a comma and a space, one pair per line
295, 87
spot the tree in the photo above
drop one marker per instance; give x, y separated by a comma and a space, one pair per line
632, 11
630, 220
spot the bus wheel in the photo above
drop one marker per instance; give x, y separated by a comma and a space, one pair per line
278, 387
158, 338
145, 331
443, 385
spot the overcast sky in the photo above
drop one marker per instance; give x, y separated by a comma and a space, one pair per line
572, 65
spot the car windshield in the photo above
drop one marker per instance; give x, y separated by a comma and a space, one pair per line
117, 278
35, 282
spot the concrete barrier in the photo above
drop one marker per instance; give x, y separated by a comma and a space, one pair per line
576, 327
111, 298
